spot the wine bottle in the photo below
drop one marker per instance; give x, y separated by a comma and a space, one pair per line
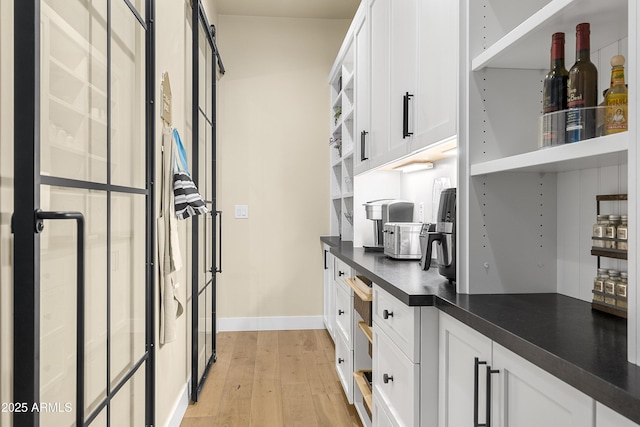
616, 99
582, 91
554, 95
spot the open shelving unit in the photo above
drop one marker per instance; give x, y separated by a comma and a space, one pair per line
342, 81
525, 213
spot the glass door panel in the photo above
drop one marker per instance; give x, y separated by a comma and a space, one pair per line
127, 407
74, 95
58, 312
127, 98
127, 279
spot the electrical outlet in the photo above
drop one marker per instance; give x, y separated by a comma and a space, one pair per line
242, 211
421, 212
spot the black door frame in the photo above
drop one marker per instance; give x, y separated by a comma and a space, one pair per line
26, 222
198, 19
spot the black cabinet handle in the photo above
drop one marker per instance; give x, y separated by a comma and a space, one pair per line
326, 267
386, 378
386, 314
340, 273
363, 145
340, 312
489, 372
340, 360
477, 364
405, 115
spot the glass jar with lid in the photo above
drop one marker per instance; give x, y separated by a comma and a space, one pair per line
610, 287
621, 233
598, 231
621, 291
611, 231
598, 284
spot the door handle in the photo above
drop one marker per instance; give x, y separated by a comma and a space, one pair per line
363, 145
489, 372
40, 217
477, 364
405, 115
218, 268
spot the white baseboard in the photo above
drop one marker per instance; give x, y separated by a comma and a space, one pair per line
283, 323
180, 408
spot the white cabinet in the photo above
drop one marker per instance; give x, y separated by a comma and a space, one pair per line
405, 362
524, 395
396, 380
518, 392
437, 74
459, 348
606, 417
343, 302
344, 366
408, 98
328, 290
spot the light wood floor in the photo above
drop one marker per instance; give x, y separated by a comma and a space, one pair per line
273, 378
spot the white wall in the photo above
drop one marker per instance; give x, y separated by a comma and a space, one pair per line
273, 156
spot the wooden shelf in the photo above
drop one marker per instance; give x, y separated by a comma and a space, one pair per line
368, 332
364, 292
365, 388
527, 45
609, 253
597, 152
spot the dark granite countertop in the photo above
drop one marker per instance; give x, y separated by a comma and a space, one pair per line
562, 335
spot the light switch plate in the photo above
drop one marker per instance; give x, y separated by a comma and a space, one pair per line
242, 211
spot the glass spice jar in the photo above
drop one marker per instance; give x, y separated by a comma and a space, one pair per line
621, 233
611, 231
610, 287
598, 231
598, 284
621, 291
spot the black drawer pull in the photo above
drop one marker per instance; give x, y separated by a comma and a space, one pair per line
386, 378
340, 312
476, 368
386, 314
340, 273
340, 360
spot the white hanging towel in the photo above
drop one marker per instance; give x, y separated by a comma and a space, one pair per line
169, 258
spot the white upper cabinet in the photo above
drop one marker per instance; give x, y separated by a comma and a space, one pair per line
407, 94
436, 97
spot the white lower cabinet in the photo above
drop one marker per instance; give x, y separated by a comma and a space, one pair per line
344, 313
380, 417
396, 381
405, 362
524, 395
607, 417
328, 291
344, 366
521, 394
459, 346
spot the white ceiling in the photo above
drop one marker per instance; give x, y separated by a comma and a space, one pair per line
320, 9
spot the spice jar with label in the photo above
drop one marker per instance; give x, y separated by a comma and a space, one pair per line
621, 291
621, 233
598, 284
598, 231
610, 287
611, 231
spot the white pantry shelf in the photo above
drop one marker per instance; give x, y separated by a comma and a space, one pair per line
527, 45
597, 152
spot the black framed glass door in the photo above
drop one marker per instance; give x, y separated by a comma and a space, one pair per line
206, 230
84, 212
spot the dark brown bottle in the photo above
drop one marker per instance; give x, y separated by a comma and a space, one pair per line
582, 90
554, 94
